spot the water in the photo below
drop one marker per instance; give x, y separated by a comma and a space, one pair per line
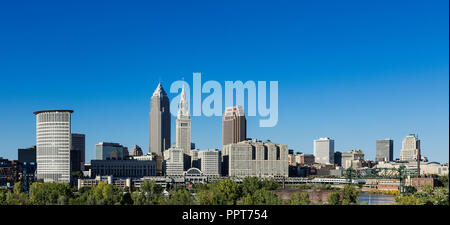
376, 199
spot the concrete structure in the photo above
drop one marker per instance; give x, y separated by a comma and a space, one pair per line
53, 135
426, 168
255, 158
210, 162
183, 125
195, 160
338, 158
123, 168
234, 125
136, 151
324, 150
306, 159
410, 148
110, 151
385, 150
353, 159
159, 121
27, 155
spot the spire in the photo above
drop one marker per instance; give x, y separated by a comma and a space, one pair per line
183, 108
159, 90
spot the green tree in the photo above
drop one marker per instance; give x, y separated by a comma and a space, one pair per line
299, 198
350, 195
226, 192
205, 197
250, 185
334, 199
261, 197
16, 197
180, 197
49, 193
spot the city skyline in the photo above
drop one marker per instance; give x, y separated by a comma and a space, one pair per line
383, 74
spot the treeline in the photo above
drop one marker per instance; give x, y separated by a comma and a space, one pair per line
252, 191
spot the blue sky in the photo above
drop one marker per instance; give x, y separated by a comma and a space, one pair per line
356, 71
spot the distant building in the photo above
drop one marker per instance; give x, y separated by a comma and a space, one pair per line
9, 172
110, 151
338, 158
255, 158
324, 150
234, 125
306, 159
53, 135
176, 161
410, 147
385, 150
195, 160
77, 151
136, 151
210, 161
159, 121
123, 168
27, 155
352, 159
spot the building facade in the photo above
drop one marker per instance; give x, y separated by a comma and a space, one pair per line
410, 148
183, 125
176, 161
385, 150
110, 151
136, 151
352, 159
77, 151
27, 155
53, 142
159, 126
123, 168
234, 125
210, 162
324, 150
255, 158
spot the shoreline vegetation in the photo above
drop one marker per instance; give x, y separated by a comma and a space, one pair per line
252, 191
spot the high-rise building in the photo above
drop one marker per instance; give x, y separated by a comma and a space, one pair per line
410, 148
183, 125
255, 158
53, 134
234, 125
210, 162
159, 121
77, 151
324, 150
338, 158
110, 151
385, 150
176, 161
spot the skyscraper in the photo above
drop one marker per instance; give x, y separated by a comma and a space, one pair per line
159, 122
53, 145
324, 150
183, 125
410, 147
234, 125
77, 151
385, 150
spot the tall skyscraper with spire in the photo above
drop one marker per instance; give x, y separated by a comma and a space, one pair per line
159, 122
183, 125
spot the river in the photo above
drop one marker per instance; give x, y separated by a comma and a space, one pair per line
376, 199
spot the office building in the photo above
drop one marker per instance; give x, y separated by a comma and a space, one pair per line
324, 150
176, 161
77, 152
306, 159
159, 122
195, 160
183, 125
410, 148
234, 125
27, 155
53, 134
255, 158
210, 162
385, 150
123, 168
338, 158
110, 151
353, 159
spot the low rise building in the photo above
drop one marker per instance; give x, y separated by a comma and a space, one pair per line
123, 168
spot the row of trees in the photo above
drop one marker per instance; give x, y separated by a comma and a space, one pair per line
252, 191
